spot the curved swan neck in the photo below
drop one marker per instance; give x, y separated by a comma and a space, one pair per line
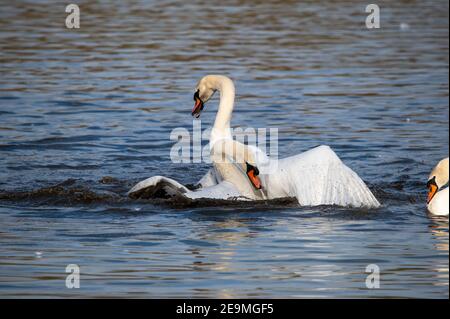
226, 88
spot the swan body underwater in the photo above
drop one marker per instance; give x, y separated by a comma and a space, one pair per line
437, 202
244, 172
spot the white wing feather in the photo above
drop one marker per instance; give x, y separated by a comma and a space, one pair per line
151, 186
154, 184
318, 177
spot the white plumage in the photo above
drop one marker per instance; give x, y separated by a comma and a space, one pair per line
318, 177
315, 177
438, 189
166, 187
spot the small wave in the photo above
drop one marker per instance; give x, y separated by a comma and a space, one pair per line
70, 192
111, 191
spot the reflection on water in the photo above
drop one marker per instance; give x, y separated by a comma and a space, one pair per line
86, 113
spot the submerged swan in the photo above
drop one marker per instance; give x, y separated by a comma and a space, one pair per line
437, 202
315, 177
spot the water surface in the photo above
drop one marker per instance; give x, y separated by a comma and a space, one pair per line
84, 114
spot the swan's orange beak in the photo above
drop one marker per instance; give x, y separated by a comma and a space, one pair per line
432, 189
252, 173
198, 106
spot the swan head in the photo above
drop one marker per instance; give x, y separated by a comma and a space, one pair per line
438, 178
240, 156
244, 156
252, 174
204, 90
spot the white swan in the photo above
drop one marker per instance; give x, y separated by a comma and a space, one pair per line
437, 202
315, 177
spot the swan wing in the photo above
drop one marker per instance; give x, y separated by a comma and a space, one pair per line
211, 178
318, 177
224, 190
157, 186
164, 187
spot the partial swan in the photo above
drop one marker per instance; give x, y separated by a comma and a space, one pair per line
315, 177
437, 202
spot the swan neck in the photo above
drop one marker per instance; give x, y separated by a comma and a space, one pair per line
223, 118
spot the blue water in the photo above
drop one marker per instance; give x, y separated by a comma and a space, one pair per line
85, 114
